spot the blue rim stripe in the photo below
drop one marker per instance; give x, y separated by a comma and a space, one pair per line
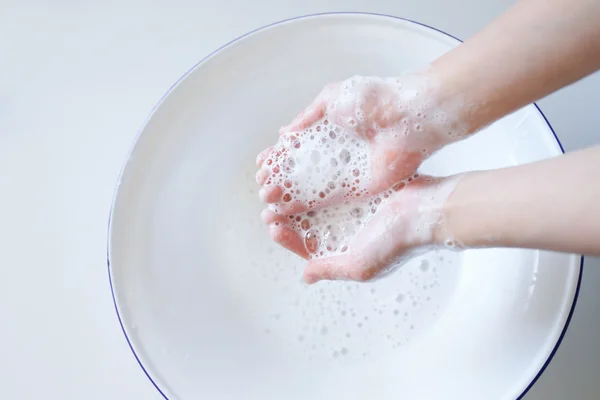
575, 297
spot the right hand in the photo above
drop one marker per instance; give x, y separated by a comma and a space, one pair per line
397, 118
411, 222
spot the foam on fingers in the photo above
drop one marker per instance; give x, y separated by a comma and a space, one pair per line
262, 176
269, 217
270, 194
344, 159
321, 163
262, 156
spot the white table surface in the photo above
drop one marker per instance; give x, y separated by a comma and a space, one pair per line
77, 79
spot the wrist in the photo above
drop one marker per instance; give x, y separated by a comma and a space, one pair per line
425, 200
466, 97
437, 113
444, 232
472, 213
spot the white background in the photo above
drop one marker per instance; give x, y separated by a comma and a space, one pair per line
77, 80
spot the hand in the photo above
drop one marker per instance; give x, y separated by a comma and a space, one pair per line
397, 121
411, 222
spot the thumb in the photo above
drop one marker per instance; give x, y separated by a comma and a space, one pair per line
330, 268
306, 118
314, 112
343, 267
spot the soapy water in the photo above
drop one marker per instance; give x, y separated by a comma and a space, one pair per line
367, 320
309, 324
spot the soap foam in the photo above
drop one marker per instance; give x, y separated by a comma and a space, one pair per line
326, 168
330, 230
320, 164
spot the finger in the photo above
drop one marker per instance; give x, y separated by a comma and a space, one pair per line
293, 207
288, 238
311, 114
262, 175
420, 180
273, 195
297, 207
306, 118
263, 155
330, 268
270, 217
344, 267
270, 194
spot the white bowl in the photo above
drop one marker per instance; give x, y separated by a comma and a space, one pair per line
212, 309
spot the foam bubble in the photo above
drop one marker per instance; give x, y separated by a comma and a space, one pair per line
327, 170
315, 163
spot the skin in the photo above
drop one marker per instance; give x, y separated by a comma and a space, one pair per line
399, 139
370, 253
532, 50
551, 204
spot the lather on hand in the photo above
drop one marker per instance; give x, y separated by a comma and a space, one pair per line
532, 50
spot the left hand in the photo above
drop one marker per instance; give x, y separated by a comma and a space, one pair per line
398, 120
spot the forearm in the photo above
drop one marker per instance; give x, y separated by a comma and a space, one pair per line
552, 204
535, 48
